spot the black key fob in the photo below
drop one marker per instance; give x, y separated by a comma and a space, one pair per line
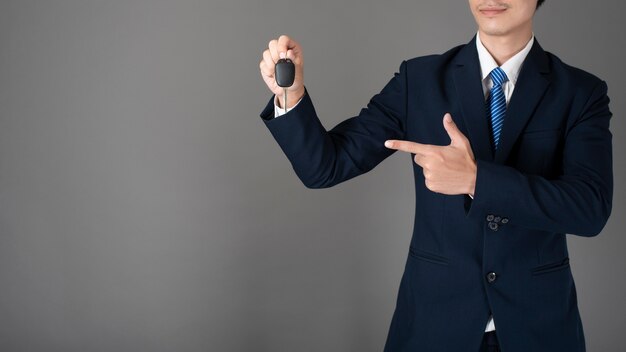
285, 73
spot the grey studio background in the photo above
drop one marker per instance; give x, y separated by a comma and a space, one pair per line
145, 207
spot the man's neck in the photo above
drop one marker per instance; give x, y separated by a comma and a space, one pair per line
502, 48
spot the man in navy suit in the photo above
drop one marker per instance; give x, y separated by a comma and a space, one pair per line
521, 158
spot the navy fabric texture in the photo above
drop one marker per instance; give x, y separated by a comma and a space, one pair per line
490, 342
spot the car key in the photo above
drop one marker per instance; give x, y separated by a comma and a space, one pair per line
285, 74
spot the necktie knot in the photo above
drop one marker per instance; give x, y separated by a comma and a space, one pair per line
498, 76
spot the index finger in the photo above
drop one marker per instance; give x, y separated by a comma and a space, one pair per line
408, 146
285, 43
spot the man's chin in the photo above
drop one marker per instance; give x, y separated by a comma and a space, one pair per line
493, 31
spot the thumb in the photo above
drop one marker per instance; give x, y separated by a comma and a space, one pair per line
456, 136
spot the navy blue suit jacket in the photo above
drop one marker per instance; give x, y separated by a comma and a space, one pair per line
504, 252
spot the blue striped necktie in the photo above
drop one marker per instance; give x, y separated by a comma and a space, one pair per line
496, 104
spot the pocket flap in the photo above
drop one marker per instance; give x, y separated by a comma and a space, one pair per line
546, 268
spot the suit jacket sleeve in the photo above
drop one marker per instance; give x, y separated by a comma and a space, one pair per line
578, 201
323, 158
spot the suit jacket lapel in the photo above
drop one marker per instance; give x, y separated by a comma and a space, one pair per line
530, 87
469, 89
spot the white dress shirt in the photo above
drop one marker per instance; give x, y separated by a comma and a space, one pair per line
512, 69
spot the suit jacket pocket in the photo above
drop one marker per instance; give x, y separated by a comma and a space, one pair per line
538, 152
540, 134
550, 267
428, 256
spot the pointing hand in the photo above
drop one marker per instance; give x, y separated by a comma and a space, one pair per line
449, 169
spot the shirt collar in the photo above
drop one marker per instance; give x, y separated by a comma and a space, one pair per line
511, 67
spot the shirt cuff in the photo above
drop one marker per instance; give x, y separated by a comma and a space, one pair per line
278, 111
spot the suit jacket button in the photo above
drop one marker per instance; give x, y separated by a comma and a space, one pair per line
491, 277
490, 217
493, 226
505, 220
497, 219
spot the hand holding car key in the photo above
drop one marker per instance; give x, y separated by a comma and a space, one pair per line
282, 70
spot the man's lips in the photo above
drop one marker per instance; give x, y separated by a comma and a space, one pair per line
492, 11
